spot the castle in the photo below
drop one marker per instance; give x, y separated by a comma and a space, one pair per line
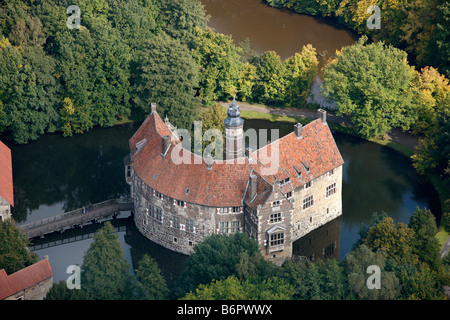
177, 205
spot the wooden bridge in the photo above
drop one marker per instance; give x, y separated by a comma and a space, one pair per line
76, 217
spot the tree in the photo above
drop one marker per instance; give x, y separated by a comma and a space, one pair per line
105, 273
232, 289
135, 20
425, 245
29, 92
420, 283
356, 265
27, 32
395, 240
217, 258
14, 253
151, 285
246, 82
301, 69
74, 119
182, 17
270, 83
432, 90
167, 74
376, 101
59, 291
438, 51
315, 280
219, 62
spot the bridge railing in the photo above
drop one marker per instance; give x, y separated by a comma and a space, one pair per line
76, 213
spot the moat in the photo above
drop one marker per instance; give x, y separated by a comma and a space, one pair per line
56, 174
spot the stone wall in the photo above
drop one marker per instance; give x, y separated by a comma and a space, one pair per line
325, 207
179, 226
275, 216
35, 292
5, 209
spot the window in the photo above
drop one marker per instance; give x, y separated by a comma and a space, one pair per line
308, 185
331, 172
236, 209
176, 222
289, 194
234, 226
276, 239
275, 217
308, 202
158, 214
140, 144
158, 195
180, 203
331, 189
223, 227
285, 181
276, 203
189, 225
128, 171
306, 166
298, 171
155, 213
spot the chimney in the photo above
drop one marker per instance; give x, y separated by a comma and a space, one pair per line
298, 128
153, 109
209, 162
322, 115
252, 187
165, 145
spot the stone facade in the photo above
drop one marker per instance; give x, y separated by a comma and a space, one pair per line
178, 205
178, 225
30, 283
5, 209
317, 203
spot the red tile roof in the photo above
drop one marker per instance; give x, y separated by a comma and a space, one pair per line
6, 180
24, 278
225, 184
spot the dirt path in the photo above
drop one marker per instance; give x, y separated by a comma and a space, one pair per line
396, 135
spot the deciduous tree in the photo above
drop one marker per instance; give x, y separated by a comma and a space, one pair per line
372, 84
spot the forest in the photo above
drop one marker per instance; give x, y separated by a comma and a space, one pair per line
127, 54
231, 267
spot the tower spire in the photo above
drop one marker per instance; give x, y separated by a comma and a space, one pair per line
234, 132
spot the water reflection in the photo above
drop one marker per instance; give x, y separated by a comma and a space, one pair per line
57, 174
275, 29
320, 244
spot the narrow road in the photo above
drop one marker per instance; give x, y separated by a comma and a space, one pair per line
397, 135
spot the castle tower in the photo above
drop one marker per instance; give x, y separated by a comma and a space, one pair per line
234, 132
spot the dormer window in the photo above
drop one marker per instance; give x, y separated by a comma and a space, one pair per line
306, 166
140, 144
298, 171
